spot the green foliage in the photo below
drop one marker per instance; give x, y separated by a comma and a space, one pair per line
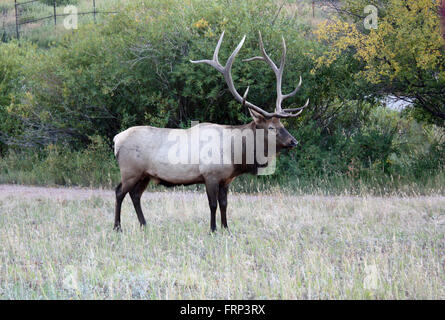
136, 70
59, 2
382, 152
404, 56
383, 155
94, 166
12, 56
68, 100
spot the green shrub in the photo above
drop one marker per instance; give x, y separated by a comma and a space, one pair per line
136, 70
12, 58
94, 166
67, 101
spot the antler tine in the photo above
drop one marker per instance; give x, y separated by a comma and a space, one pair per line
298, 109
265, 55
244, 96
215, 61
291, 94
288, 114
215, 54
279, 112
295, 90
226, 71
279, 76
283, 55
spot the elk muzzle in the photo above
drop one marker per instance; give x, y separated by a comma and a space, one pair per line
292, 143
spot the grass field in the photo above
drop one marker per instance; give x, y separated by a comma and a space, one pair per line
59, 243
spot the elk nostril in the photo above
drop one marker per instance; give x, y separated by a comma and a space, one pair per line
293, 143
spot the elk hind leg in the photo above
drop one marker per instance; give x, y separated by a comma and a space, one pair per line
121, 191
222, 199
136, 194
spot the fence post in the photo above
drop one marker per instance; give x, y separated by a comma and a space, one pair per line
313, 8
55, 15
94, 10
16, 20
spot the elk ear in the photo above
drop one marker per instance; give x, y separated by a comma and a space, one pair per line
256, 116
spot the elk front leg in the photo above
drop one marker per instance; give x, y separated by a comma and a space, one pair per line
222, 199
212, 195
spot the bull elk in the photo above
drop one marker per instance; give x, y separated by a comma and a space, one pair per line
144, 152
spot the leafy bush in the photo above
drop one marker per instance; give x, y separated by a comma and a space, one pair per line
67, 101
59, 165
136, 70
12, 57
403, 57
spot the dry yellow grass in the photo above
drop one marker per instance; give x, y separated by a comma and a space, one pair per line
60, 244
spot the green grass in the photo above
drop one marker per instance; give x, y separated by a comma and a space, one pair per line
281, 247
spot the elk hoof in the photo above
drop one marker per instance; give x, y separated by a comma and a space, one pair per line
117, 228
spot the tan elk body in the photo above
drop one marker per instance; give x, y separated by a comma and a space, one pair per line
144, 153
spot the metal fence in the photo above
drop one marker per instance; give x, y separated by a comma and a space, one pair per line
23, 20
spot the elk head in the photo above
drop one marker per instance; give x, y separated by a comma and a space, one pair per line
262, 119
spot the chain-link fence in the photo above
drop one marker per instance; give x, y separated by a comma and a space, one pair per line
18, 17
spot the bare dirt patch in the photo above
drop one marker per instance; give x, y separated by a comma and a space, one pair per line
77, 193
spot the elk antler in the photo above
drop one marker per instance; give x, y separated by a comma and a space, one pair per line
226, 71
279, 112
